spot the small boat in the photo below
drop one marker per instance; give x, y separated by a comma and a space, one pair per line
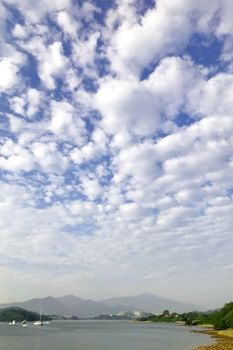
24, 323
13, 323
39, 322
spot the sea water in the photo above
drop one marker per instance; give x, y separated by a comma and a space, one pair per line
100, 335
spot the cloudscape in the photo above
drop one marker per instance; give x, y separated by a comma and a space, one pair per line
116, 149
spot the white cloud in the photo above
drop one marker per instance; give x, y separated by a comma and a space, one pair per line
92, 150
66, 22
9, 71
134, 46
132, 211
35, 11
91, 188
176, 216
27, 104
49, 158
61, 117
16, 124
214, 96
18, 162
72, 81
51, 61
17, 104
138, 161
34, 99
87, 10
65, 122
13, 157
84, 54
128, 106
19, 31
165, 29
225, 26
82, 209
140, 106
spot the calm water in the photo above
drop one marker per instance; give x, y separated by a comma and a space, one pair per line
99, 335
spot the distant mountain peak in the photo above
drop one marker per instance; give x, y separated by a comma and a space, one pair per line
152, 303
73, 305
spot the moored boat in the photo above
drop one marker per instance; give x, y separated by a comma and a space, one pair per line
39, 322
13, 323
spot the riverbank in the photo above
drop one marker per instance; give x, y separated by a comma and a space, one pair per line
223, 340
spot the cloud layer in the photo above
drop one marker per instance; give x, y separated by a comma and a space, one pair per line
116, 148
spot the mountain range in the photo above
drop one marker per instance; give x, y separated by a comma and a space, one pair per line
71, 305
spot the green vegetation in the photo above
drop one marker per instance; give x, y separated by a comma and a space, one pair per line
166, 316
223, 319
220, 320
18, 314
226, 332
197, 318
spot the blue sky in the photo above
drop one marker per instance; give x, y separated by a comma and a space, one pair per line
116, 162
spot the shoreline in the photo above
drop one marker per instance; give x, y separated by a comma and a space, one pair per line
221, 342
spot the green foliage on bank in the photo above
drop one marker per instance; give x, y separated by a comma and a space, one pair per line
166, 316
222, 319
18, 314
196, 318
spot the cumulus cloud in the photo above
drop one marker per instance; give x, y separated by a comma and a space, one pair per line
140, 162
9, 71
66, 23
84, 52
27, 104
133, 46
35, 12
139, 107
33, 99
51, 61
15, 158
48, 157
91, 188
19, 31
214, 96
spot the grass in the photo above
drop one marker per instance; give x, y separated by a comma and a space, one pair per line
227, 332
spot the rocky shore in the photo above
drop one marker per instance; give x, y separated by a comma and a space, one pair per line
222, 342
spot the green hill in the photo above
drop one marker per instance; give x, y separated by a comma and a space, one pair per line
18, 314
221, 319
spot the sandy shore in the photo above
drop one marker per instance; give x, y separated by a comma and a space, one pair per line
222, 342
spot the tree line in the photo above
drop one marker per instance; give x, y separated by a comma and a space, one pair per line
18, 314
220, 319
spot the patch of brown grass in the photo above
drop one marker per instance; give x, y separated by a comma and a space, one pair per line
223, 340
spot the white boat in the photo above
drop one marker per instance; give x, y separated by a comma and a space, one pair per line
40, 322
24, 323
13, 323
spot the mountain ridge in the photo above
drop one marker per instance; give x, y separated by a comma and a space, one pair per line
71, 305
153, 303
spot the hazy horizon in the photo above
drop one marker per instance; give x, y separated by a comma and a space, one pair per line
116, 149
201, 306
